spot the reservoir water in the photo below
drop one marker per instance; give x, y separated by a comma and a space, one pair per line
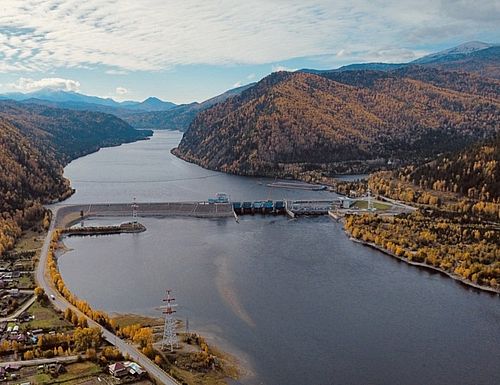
295, 300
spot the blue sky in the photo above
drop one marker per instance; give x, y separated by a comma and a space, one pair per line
189, 50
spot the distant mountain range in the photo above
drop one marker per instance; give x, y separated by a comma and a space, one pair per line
151, 113
473, 57
478, 57
320, 123
181, 116
77, 101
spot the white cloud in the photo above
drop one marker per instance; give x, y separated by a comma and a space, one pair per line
251, 76
131, 35
116, 72
121, 91
341, 53
237, 84
30, 85
277, 68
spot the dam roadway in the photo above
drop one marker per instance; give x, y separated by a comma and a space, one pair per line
66, 215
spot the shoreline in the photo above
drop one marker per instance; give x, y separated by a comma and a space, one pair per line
233, 368
455, 277
275, 174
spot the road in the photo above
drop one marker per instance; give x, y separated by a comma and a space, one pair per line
70, 214
42, 361
22, 309
62, 304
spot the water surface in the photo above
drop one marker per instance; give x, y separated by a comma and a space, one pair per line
296, 299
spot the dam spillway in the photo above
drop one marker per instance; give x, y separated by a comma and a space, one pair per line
70, 214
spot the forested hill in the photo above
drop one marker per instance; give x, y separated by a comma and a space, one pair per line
290, 123
468, 83
35, 143
473, 172
68, 133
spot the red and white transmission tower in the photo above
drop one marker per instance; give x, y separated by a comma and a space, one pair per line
169, 335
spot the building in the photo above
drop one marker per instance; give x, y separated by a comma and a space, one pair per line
346, 203
134, 369
219, 198
55, 369
122, 369
118, 369
25, 317
14, 293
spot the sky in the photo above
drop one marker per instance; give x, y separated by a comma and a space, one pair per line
191, 50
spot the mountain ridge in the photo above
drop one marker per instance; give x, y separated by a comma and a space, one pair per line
291, 123
484, 60
60, 98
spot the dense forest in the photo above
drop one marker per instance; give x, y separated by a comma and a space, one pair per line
459, 244
473, 173
294, 122
466, 181
68, 133
455, 228
35, 143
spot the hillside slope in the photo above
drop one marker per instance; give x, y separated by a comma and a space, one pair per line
291, 123
473, 172
463, 82
70, 134
456, 228
35, 143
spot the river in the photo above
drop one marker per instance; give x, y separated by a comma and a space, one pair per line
295, 300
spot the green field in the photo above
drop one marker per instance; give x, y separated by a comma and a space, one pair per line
77, 373
123, 320
45, 318
30, 240
363, 205
26, 282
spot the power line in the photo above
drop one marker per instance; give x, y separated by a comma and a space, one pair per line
144, 181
